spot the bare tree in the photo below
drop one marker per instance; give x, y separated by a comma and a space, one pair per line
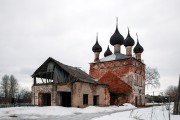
152, 77
5, 86
171, 91
13, 86
24, 96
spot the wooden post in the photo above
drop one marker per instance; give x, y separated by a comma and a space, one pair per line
169, 108
34, 80
176, 110
152, 106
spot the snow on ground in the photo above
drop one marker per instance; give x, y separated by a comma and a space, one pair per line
93, 109
126, 112
156, 113
45, 112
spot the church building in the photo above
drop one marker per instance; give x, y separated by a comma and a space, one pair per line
123, 73
115, 79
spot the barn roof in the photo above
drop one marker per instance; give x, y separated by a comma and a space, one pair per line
77, 73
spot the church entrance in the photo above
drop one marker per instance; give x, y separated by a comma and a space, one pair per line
118, 98
113, 97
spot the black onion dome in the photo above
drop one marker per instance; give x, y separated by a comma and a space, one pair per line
116, 38
129, 40
138, 48
97, 47
108, 52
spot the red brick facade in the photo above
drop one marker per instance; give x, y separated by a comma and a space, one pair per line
125, 78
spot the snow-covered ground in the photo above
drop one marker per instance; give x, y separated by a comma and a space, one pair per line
50, 111
126, 112
150, 113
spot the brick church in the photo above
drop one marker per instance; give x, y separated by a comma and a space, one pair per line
115, 79
123, 73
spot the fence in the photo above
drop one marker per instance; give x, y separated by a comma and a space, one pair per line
15, 105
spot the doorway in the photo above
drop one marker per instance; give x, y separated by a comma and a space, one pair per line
44, 99
113, 98
65, 99
136, 100
95, 100
140, 100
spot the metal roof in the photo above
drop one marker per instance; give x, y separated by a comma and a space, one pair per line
116, 56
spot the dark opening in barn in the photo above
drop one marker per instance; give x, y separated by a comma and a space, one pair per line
65, 99
44, 99
95, 100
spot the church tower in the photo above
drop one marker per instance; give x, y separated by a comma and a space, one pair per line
123, 73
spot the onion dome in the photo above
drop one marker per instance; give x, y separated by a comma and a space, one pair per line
116, 38
97, 47
138, 48
108, 52
128, 41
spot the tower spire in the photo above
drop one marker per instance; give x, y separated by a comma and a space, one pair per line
116, 22
128, 30
97, 36
137, 37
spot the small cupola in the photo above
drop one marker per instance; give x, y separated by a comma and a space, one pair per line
128, 43
117, 39
107, 52
129, 40
96, 49
138, 49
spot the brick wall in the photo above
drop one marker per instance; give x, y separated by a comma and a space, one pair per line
80, 88
77, 90
131, 71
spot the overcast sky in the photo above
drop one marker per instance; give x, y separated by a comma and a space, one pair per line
33, 30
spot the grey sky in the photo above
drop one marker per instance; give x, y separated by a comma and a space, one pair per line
33, 30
